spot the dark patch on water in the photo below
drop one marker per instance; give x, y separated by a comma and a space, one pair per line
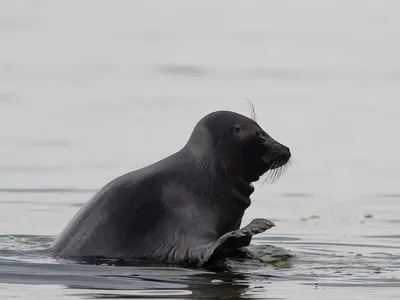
297, 195
184, 70
7, 98
76, 204
312, 217
392, 236
387, 195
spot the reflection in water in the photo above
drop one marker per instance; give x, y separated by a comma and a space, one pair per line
26, 260
230, 286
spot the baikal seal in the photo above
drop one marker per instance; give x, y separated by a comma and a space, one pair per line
185, 209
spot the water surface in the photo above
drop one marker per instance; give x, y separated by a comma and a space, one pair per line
90, 90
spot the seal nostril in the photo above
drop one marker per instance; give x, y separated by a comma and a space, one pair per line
286, 153
285, 150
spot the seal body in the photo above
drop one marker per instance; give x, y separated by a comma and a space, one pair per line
184, 208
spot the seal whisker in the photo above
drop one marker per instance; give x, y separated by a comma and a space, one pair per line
271, 177
266, 178
280, 171
283, 168
275, 172
252, 109
270, 173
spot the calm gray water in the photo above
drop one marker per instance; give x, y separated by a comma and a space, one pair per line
92, 89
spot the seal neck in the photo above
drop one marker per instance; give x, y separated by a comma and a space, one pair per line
226, 193
205, 151
241, 191
246, 188
219, 173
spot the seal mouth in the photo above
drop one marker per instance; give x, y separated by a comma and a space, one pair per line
276, 162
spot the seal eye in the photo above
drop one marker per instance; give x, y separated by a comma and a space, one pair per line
237, 128
261, 135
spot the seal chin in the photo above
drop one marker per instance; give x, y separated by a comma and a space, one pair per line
245, 186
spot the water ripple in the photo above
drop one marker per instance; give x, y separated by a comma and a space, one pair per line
46, 190
25, 260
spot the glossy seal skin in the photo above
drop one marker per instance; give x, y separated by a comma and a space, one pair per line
185, 208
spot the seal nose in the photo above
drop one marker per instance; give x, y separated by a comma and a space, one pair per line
286, 152
276, 149
281, 151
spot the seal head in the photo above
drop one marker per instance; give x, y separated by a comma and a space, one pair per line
239, 146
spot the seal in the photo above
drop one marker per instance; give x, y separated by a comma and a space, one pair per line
184, 209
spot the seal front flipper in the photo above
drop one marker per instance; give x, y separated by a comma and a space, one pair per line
242, 237
256, 226
231, 243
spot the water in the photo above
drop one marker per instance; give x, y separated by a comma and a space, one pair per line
90, 90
